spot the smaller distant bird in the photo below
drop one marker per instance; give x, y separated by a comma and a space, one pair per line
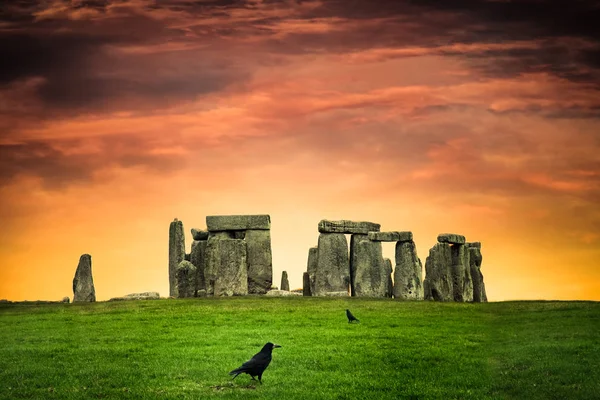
351, 317
257, 364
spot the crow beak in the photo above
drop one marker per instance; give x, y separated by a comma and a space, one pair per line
276, 346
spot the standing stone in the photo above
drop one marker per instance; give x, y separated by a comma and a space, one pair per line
370, 271
83, 282
355, 239
198, 258
213, 260
227, 267
333, 270
461, 273
311, 268
260, 263
285, 283
438, 284
345, 226
390, 284
408, 275
176, 253
306, 284
475, 259
186, 280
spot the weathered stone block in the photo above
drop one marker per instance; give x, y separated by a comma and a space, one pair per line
285, 283
475, 259
312, 268
462, 285
408, 273
451, 238
260, 263
438, 283
474, 244
186, 280
198, 258
369, 269
391, 236
176, 253
390, 284
333, 270
227, 269
137, 296
198, 234
306, 284
355, 239
345, 226
237, 222
83, 282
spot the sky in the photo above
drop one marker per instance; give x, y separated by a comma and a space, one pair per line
474, 117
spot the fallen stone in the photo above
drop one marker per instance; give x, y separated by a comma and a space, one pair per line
198, 234
312, 268
198, 258
333, 270
282, 293
201, 293
343, 293
345, 226
83, 282
475, 259
186, 280
306, 284
260, 263
137, 296
451, 238
237, 222
370, 275
176, 253
227, 267
408, 273
438, 283
285, 284
391, 236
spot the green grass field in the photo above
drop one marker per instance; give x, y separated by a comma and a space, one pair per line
184, 349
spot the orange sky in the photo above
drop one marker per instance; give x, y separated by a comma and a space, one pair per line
479, 118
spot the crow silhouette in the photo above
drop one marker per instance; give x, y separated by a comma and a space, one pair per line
257, 364
351, 317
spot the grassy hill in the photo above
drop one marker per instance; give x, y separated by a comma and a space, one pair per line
184, 349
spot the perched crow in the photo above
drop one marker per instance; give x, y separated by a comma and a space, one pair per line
350, 316
257, 364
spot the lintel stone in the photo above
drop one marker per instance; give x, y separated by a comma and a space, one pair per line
391, 236
217, 223
350, 227
451, 238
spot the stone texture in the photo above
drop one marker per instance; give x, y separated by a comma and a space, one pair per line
83, 282
390, 284
475, 259
461, 274
333, 270
451, 238
187, 257
198, 234
176, 253
342, 293
391, 236
198, 258
354, 240
474, 244
260, 263
66, 300
345, 226
282, 293
369, 269
226, 271
311, 268
237, 222
186, 280
408, 275
306, 284
285, 283
438, 284
137, 296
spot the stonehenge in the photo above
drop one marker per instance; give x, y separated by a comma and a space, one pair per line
83, 282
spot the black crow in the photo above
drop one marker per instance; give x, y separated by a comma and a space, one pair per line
350, 316
257, 364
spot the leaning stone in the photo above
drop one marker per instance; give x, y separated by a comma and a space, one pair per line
176, 253
66, 300
227, 267
312, 268
237, 222
198, 234
451, 238
260, 262
408, 273
369, 270
391, 236
438, 283
333, 270
83, 282
475, 259
285, 284
343, 293
186, 280
345, 226
198, 258
306, 284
